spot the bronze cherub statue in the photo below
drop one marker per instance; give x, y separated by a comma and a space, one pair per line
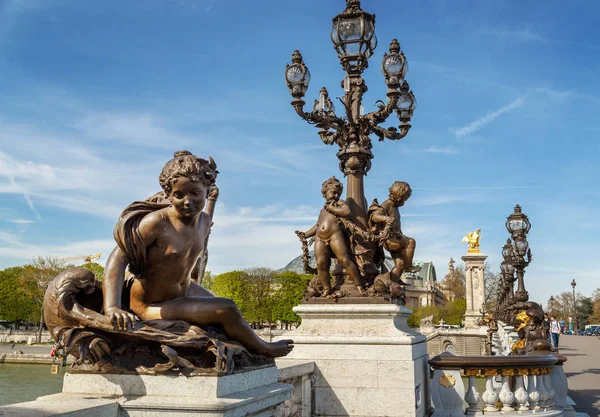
160, 241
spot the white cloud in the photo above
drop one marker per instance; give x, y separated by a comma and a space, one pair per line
21, 221
137, 128
437, 149
522, 35
488, 118
13, 247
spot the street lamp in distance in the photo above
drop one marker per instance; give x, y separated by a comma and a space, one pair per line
574, 284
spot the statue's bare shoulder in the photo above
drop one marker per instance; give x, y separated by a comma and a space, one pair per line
152, 224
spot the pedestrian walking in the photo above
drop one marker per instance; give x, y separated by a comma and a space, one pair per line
546, 328
555, 330
12, 346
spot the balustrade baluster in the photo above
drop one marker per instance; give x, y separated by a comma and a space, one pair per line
472, 396
541, 389
551, 402
520, 392
558, 379
532, 389
506, 395
490, 396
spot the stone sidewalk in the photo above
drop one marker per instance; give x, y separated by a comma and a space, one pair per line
583, 371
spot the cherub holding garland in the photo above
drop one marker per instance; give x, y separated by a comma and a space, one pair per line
331, 238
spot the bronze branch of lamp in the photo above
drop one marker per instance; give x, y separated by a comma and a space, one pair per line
353, 36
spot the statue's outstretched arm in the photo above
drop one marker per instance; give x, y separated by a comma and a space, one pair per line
112, 288
114, 276
311, 232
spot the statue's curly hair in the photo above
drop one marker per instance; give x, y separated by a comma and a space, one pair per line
185, 164
332, 182
399, 188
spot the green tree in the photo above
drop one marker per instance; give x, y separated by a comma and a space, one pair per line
260, 287
251, 289
289, 289
35, 278
454, 312
15, 303
208, 281
232, 285
585, 309
424, 311
96, 268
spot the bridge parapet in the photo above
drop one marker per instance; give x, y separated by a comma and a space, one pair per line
514, 385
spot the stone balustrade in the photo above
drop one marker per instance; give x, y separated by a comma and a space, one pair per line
503, 339
299, 374
514, 385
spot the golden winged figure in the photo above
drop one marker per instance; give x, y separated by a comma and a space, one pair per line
472, 239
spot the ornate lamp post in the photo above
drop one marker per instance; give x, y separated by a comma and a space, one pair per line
576, 321
353, 37
518, 226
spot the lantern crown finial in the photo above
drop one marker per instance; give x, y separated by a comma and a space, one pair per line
517, 209
296, 57
395, 46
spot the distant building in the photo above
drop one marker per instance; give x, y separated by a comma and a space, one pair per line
424, 289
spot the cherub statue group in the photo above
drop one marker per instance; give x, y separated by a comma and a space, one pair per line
333, 237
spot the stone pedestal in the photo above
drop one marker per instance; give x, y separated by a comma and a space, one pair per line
367, 360
252, 393
474, 271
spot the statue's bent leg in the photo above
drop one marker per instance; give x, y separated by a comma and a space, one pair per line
216, 310
342, 254
323, 258
409, 245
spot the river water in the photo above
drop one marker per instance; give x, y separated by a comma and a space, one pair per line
26, 382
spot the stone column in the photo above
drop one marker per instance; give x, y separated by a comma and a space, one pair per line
474, 268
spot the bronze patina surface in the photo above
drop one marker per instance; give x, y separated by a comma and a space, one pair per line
155, 318
359, 270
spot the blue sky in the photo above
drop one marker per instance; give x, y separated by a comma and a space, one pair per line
96, 96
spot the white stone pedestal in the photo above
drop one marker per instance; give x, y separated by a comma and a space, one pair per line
367, 360
252, 393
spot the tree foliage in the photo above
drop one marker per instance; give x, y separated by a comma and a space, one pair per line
562, 305
491, 280
452, 313
22, 288
15, 303
262, 295
96, 268
208, 281
289, 290
455, 283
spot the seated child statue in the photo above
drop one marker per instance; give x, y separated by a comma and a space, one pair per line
161, 243
401, 247
331, 239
